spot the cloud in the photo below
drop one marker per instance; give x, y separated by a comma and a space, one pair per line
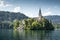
16, 9
47, 12
3, 4
8, 7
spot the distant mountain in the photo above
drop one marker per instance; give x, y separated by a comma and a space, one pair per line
53, 18
10, 16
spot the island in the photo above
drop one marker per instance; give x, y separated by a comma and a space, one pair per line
37, 23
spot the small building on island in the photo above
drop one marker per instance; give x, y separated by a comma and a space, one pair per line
39, 18
36, 23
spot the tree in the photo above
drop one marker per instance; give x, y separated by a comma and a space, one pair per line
36, 25
33, 24
16, 24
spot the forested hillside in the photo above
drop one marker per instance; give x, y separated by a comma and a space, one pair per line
10, 16
54, 18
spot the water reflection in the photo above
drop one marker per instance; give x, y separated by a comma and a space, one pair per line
6, 34
33, 35
11, 34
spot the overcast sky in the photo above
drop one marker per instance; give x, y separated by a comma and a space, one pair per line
31, 7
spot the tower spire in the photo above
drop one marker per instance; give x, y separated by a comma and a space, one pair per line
40, 15
40, 12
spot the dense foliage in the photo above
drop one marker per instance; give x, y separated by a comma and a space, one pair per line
16, 24
34, 24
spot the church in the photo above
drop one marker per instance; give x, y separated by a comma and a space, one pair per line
39, 15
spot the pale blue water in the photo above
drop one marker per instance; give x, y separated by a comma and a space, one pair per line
9, 34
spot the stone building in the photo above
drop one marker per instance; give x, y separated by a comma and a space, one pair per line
39, 15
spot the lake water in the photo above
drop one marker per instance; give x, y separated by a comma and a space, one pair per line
9, 34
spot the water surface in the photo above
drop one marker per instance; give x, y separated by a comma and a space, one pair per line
10, 34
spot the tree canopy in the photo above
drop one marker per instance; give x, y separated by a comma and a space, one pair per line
37, 25
34, 24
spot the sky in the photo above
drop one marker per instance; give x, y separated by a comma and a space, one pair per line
31, 7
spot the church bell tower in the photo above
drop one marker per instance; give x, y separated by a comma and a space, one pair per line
40, 15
